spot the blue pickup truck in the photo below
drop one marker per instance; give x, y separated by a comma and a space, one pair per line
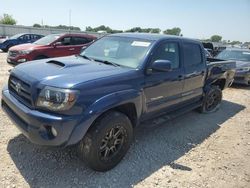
19, 39
97, 98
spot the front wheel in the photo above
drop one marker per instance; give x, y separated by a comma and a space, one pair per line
107, 141
212, 100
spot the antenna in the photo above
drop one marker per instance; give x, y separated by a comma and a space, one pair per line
69, 19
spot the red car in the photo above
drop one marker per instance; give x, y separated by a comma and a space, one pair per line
55, 45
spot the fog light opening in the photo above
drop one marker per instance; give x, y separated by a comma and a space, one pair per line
49, 132
21, 60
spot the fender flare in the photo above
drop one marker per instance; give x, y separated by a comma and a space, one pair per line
101, 106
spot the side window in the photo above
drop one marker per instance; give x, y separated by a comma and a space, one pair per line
22, 37
26, 37
192, 54
168, 51
80, 40
37, 37
34, 37
66, 41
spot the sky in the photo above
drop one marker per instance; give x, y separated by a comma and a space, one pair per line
196, 18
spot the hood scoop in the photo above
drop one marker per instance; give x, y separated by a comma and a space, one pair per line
57, 63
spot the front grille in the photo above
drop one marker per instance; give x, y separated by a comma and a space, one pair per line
13, 53
21, 90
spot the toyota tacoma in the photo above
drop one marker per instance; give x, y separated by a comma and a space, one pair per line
94, 100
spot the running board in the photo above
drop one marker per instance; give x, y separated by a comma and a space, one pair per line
176, 113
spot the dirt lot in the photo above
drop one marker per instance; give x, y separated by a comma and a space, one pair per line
194, 150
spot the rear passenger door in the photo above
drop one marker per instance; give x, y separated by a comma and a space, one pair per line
195, 70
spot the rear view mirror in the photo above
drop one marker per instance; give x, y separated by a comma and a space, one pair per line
162, 65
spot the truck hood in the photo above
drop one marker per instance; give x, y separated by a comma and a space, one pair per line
28, 46
65, 72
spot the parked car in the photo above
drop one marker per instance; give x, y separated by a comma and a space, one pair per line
55, 45
242, 58
95, 100
19, 39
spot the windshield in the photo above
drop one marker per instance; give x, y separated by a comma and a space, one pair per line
122, 51
234, 55
47, 39
16, 36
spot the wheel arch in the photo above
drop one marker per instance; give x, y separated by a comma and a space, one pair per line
221, 83
128, 102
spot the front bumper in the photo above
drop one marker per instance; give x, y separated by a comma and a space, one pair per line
242, 78
16, 60
34, 124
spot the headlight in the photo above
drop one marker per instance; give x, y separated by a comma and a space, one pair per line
243, 69
56, 99
24, 52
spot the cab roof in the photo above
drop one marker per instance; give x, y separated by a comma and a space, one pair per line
150, 36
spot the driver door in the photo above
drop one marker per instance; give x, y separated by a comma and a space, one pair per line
164, 89
64, 49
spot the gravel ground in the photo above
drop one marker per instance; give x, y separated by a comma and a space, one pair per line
194, 150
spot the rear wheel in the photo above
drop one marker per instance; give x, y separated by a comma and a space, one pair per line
212, 100
107, 141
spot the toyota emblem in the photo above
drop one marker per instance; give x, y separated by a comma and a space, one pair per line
18, 87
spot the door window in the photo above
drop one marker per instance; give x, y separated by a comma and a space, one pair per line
26, 37
192, 54
66, 41
168, 51
80, 40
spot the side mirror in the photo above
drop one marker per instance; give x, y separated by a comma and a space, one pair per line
83, 48
162, 65
57, 44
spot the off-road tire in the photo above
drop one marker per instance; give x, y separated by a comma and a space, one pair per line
90, 147
212, 100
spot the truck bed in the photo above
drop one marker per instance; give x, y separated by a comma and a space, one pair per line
220, 69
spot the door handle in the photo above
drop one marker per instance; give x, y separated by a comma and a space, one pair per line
71, 49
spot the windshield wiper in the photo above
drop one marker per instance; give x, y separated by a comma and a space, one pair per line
107, 62
86, 57
101, 61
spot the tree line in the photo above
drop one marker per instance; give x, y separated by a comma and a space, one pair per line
103, 28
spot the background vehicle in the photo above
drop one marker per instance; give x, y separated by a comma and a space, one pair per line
208, 52
242, 58
97, 98
55, 45
19, 39
2, 39
214, 48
